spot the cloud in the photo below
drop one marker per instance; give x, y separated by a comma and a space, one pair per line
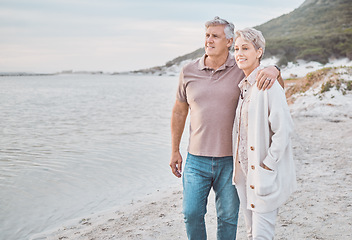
114, 35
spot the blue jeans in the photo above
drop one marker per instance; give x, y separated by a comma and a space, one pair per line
199, 176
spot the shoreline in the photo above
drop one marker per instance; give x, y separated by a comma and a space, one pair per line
319, 209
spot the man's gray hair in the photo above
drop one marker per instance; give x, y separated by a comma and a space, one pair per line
253, 36
229, 27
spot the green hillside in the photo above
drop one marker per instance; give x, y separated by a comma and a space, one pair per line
315, 31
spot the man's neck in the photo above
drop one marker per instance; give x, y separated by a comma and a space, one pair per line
215, 62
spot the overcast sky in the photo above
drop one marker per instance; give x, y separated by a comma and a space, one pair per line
115, 35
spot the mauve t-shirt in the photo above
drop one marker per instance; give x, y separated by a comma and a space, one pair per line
212, 97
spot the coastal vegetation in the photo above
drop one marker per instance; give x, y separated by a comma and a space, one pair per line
327, 78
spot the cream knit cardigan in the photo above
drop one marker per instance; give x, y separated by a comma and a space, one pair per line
269, 141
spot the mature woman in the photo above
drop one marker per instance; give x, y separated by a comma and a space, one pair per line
264, 172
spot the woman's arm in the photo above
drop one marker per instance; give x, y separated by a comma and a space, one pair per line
280, 123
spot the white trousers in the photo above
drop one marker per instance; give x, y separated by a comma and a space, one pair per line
260, 226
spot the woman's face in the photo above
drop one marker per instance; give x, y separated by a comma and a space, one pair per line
247, 57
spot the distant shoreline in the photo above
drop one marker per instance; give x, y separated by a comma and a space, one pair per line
24, 74
27, 74
292, 70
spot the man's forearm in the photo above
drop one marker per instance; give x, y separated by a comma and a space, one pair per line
177, 126
267, 76
281, 80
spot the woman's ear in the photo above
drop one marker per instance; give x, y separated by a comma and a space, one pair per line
259, 52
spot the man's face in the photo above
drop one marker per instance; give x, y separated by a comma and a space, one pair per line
216, 43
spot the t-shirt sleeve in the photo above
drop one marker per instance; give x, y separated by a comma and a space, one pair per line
181, 90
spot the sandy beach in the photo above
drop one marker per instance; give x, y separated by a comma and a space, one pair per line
321, 208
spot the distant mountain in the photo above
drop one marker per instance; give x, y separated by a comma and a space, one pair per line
315, 31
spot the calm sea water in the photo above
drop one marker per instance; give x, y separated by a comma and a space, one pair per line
72, 145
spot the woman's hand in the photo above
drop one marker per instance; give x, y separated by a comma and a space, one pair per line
265, 167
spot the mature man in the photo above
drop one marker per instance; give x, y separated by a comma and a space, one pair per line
209, 88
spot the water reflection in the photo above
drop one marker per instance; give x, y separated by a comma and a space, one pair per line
71, 145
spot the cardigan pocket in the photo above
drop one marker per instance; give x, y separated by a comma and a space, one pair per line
266, 183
